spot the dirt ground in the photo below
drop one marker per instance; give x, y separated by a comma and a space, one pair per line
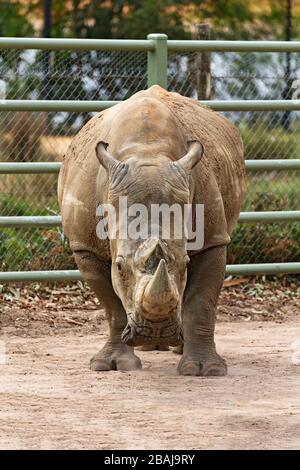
49, 399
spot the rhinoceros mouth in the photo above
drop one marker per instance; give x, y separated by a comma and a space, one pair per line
140, 331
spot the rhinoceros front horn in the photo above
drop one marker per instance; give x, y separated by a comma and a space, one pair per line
192, 157
160, 297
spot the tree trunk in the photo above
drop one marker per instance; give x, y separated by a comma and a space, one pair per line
202, 63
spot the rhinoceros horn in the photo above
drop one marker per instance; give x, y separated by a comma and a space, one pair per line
192, 157
160, 297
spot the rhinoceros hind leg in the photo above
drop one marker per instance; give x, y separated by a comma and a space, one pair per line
115, 355
205, 278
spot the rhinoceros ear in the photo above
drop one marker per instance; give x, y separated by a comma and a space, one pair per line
115, 169
105, 158
192, 157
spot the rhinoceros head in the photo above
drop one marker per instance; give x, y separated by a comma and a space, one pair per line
149, 273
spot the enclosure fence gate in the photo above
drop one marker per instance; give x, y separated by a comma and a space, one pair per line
157, 47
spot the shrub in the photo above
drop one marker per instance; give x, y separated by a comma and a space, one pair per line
263, 143
265, 243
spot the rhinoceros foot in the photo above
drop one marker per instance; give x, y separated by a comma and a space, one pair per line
204, 365
115, 357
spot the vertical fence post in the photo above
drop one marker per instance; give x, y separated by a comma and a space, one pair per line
158, 61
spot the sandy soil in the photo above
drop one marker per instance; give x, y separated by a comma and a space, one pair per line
49, 399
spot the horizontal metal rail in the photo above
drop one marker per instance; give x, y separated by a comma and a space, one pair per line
253, 105
95, 106
148, 45
54, 167
78, 44
55, 221
270, 165
263, 268
30, 168
40, 276
55, 105
31, 221
267, 217
74, 275
234, 46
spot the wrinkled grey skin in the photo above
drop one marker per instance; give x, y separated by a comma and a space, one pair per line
154, 291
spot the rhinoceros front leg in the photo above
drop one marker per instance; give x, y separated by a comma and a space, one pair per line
205, 277
115, 355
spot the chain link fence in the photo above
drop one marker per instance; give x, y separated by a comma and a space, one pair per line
112, 75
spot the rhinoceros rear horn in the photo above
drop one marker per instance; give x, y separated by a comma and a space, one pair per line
104, 157
192, 157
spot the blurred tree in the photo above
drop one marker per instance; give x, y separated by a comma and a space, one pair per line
12, 23
12, 20
113, 18
144, 17
231, 19
241, 19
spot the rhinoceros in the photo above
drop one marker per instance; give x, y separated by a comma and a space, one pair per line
156, 147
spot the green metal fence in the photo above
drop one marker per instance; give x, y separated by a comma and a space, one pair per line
156, 60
